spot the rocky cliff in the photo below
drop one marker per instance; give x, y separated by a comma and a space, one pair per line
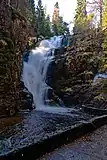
15, 30
72, 79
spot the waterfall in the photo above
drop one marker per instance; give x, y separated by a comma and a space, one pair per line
100, 75
35, 71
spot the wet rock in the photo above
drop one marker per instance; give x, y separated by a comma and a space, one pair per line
27, 98
50, 71
53, 99
97, 94
59, 51
26, 56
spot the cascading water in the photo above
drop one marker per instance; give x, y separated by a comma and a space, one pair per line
100, 75
35, 71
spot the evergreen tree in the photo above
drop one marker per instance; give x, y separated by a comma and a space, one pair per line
59, 26
43, 21
57, 5
81, 14
32, 17
85, 37
47, 31
40, 18
104, 26
62, 26
55, 17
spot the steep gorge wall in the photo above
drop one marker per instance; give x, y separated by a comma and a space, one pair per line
15, 29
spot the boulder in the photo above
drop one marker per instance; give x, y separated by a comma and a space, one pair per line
53, 99
27, 98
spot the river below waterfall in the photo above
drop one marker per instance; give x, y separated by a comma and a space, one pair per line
38, 126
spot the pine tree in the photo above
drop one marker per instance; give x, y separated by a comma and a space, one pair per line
81, 14
55, 18
62, 26
32, 14
59, 26
85, 36
40, 13
47, 31
43, 21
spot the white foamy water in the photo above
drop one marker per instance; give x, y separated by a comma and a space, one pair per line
100, 75
35, 71
57, 110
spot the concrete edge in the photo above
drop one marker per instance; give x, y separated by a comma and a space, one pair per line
39, 149
93, 110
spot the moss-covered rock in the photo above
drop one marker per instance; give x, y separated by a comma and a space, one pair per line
72, 76
15, 30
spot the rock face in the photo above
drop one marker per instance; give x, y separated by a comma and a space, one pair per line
97, 94
72, 78
26, 98
14, 33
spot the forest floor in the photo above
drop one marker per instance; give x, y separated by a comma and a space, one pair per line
93, 146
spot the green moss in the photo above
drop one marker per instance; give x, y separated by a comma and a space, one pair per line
104, 88
3, 43
52, 103
10, 43
99, 97
16, 14
68, 89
